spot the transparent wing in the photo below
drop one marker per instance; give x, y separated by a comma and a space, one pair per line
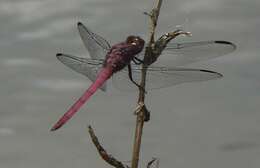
161, 77
96, 45
85, 66
157, 77
179, 54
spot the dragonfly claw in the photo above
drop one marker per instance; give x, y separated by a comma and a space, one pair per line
141, 106
179, 32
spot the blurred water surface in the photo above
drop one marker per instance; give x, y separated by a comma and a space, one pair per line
210, 124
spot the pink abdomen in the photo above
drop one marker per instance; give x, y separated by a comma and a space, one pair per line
103, 75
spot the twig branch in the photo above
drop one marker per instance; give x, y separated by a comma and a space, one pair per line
162, 42
142, 110
102, 152
154, 14
152, 51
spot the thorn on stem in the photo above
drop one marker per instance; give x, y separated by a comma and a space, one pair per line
147, 13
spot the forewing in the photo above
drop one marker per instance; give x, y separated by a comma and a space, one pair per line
161, 77
84, 66
96, 45
179, 54
186, 53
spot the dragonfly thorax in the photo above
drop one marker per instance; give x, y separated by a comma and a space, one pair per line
121, 54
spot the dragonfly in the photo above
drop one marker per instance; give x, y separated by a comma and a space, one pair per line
178, 54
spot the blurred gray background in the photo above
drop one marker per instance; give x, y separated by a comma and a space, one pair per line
200, 125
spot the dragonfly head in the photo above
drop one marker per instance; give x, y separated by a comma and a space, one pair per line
136, 42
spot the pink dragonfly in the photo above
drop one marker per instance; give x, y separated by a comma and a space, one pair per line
178, 54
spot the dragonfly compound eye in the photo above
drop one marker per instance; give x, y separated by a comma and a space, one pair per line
130, 39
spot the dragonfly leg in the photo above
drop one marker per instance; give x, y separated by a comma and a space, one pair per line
141, 106
137, 61
131, 78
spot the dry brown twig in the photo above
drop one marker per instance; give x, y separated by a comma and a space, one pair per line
141, 109
152, 52
102, 152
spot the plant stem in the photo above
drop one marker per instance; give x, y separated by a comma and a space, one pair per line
142, 109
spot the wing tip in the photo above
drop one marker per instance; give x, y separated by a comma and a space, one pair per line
80, 24
213, 72
226, 42
59, 55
